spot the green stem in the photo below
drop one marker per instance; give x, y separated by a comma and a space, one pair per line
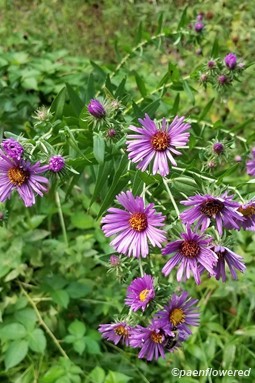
42, 323
61, 217
171, 197
141, 266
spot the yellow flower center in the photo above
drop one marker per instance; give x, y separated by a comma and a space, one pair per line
121, 330
248, 211
156, 337
177, 316
17, 176
190, 249
143, 295
138, 221
160, 141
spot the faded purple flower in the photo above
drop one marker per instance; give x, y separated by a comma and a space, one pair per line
191, 252
56, 163
96, 109
22, 176
211, 64
222, 79
250, 165
205, 208
134, 226
150, 339
248, 212
199, 27
230, 61
203, 77
180, 313
218, 148
114, 260
12, 148
111, 133
116, 332
200, 16
140, 292
233, 261
157, 143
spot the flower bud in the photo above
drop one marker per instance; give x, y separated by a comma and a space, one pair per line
218, 148
230, 61
198, 27
96, 109
56, 163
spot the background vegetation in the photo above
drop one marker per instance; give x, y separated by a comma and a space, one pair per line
55, 288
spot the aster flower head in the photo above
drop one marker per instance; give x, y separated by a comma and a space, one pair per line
150, 339
134, 226
248, 212
222, 79
157, 144
22, 176
238, 158
191, 252
12, 148
56, 163
226, 256
206, 208
218, 148
211, 64
200, 16
116, 332
114, 260
96, 109
230, 61
199, 26
140, 292
180, 313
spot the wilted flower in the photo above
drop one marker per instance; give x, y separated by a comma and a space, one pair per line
96, 109
233, 261
205, 208
180, 313
203, 77
134, 226
22, 176
191, 252
42, 114
140, 292
248, 212
157, 143
116, 332
12, 148
223, 79
230, 61
56, 163
211, 64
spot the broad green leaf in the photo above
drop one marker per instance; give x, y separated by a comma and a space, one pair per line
97, 375
82, 220
12, 331
98, 148
151, 108
60, 297
206, 109
79, 345
77, 328
57, 106
27, 317
92, 346
75, 100
37, 340
117, 377
140, 84
15, 353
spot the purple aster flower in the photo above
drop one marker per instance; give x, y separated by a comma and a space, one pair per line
233, 261
134, 226
248, 213
12, 148
116, 332
218, 148
96, 109
250, 165
180, 313
140, 292
191, 252
22, 176
199, 27
150, 339
230, 60
158, 143
56, 163
205, 208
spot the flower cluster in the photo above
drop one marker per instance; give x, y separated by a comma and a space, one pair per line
17, 173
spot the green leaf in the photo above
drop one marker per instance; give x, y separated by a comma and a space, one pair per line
117, 377
90, 88
188, 91
58, 103
215, 48
79, 346
182, 21
206, 109
92, 346
101, 73
77, 328
27, 317
60, 297
12, 331
151, 108
37, 341
176, 104
97, 375
98, 148
82, 220
75, 100
102, 176
15, 353
140, 84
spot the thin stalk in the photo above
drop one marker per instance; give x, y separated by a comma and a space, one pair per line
141, 267
61, 217
42, 323
171, 197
